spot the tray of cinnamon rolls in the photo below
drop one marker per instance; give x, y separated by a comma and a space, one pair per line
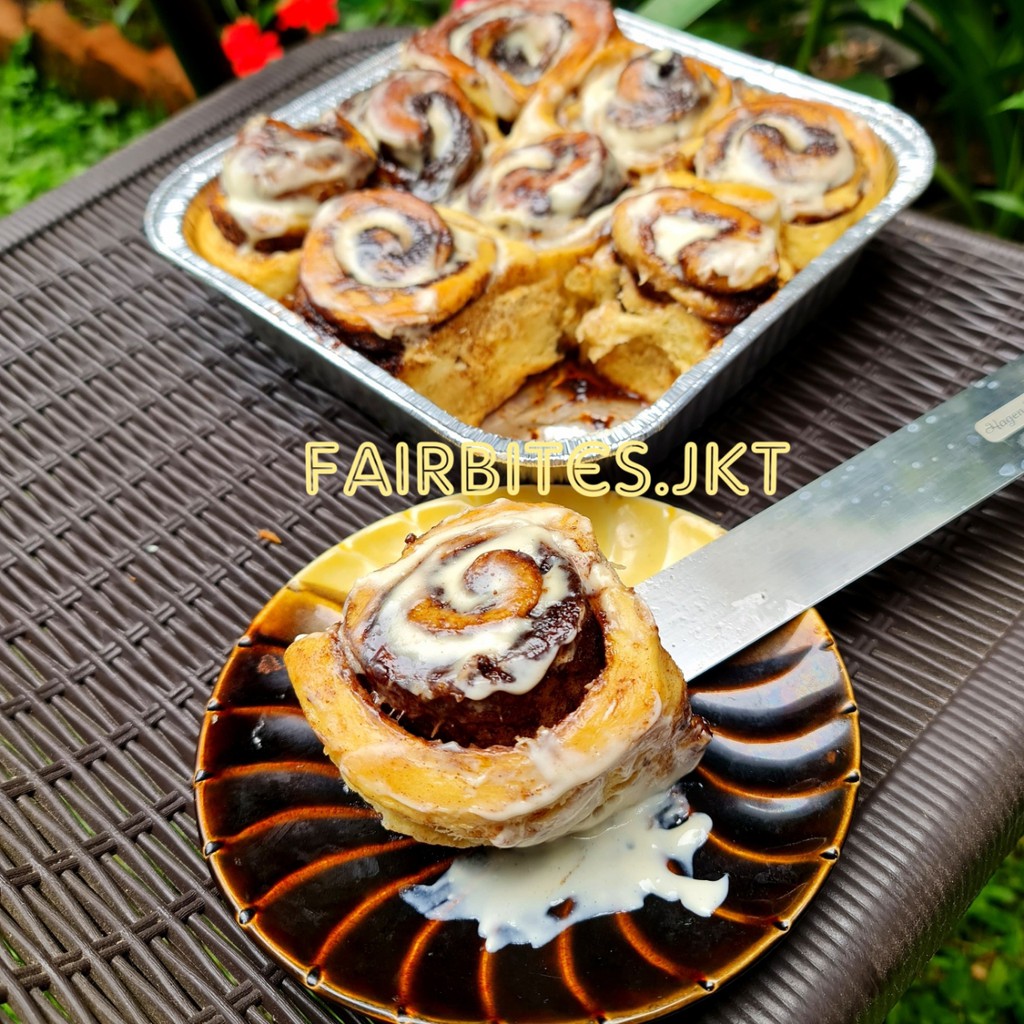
542, 219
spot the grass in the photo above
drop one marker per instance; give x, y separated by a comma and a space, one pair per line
977, 977
46, 137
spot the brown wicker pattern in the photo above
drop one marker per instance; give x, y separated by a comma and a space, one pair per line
146, 438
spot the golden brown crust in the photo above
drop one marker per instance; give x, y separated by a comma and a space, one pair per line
275, 273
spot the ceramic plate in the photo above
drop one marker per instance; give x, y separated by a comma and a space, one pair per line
316, 880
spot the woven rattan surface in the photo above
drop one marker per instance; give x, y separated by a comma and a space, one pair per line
147, 438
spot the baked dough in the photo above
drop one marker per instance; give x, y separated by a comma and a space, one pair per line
682, 268
479, 614
428, 295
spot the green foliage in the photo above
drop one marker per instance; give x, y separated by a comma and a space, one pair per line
356, 14
677, 13
978, 976
47, 137
890, 11
976, 53
869, 84
135, 18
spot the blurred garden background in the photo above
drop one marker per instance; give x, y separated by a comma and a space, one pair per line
81, 78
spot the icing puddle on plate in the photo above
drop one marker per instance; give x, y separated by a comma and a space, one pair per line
530, 895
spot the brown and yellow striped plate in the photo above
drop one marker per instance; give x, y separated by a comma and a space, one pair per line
315, 879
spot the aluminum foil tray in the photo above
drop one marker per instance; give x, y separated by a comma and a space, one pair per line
694, 395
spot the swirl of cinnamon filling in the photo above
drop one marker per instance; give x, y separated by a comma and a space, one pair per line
798, 150
652, 103
378, 260
424, 129
498, 50
713, 258
543, 189
275, 177
454, 636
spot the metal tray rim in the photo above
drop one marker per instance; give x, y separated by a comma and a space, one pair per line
910, 146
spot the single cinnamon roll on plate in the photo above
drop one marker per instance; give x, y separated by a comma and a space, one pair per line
426, 294
252, 219
497, 51
425, 131
682, 268
826, 167
498, 684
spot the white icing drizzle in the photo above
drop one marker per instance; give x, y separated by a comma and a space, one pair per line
263, 180
347, 241
432, 571
557, 201
673, 232
631, 138
391, 116
800, 183
350, 232
541, 39
613, 869
738, 258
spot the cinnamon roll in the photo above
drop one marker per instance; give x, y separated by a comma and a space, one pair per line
421, 292
274, 179
647, 105
681, 270
498, 684
424, 129
499, 50
826, 167
547, 189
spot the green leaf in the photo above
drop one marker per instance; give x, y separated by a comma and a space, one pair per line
889, 11
998, 975
724, 31
124, 11
868, 84
675, 13
1014, 102
1006, 201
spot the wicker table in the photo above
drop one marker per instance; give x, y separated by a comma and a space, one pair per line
147, 438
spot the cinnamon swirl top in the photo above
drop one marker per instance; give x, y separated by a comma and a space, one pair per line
380, 260
798, 150
651, 103
479, 635
544, 189
275, 177
498, 50
713, 258
424, 129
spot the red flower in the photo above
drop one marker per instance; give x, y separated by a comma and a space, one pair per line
248, 48
312, 15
